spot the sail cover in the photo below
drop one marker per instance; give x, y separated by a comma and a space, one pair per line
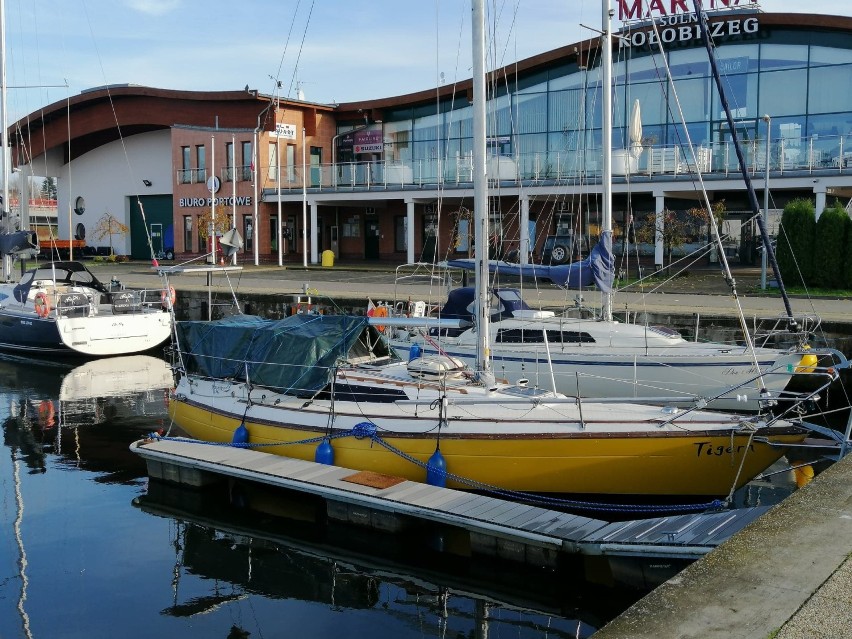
597, 269
293, 354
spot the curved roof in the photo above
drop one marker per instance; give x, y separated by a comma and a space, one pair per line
104, 114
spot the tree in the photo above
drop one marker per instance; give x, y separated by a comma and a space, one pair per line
48, 188
796, 235
206, 223
678, 227
828, 250
108, 225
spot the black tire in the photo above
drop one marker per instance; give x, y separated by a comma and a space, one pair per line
559, 255
170, 255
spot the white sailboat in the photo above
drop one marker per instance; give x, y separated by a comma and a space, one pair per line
61, 308
322, 388
602, 357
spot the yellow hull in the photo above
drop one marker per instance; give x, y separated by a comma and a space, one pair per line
662, 464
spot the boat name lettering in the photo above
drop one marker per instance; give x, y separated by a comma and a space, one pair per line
685, 32
242, 200
707, 448
221, 388
735, 371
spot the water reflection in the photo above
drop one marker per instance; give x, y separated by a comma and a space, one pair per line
244, 540
51, 407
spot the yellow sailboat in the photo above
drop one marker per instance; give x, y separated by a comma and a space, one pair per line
326, 388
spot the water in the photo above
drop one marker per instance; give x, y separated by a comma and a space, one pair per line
91, 549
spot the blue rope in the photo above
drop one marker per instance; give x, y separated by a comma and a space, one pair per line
365, 430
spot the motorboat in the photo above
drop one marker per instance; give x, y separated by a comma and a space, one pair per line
61, 308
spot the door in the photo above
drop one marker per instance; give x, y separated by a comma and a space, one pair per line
371, 240
333, 241
157, 240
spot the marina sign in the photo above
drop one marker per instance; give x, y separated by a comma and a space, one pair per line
636, 9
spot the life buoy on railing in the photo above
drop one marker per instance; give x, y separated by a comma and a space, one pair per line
170, 294
379, 311
42, 304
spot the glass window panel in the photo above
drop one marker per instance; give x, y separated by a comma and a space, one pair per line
699, 133
428, 127
460, 123
783, 92
689, 62
499, 116
652, 101
783, 56
565, 110
738, 58
394, 127
538, 87
645, 68
693, 94
741, 91
532, 113
828, 55
830, 89
568, 81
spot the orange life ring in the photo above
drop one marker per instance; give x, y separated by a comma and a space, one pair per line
172, 296
42, 305
380, 311
46, 414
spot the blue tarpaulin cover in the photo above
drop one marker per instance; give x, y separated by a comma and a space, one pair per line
597, 269
293, 354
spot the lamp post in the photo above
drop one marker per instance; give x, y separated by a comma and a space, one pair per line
763, 256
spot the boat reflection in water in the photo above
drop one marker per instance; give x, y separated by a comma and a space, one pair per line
244, 540
52, 403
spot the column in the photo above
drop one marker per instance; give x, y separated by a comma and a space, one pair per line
524, 248
314, 233
819, 195
409, 231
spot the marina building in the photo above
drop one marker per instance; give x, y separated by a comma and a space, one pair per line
390, 178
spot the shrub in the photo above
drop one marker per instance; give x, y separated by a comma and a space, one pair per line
796, 236
828, 250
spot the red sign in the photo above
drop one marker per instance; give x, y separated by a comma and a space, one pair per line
637, 10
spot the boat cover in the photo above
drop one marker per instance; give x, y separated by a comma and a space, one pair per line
293, 354
597, 269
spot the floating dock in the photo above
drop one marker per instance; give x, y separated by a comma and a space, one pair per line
497, 527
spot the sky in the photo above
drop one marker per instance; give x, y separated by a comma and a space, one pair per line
334, 50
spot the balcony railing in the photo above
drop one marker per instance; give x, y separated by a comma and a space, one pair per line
786, 155
191, 176
243, 173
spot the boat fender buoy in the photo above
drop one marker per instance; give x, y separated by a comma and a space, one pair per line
171, 295
241, 436
436, 470
324, 453
807, 364
42, 305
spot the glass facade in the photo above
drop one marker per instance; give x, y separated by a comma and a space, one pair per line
550, 124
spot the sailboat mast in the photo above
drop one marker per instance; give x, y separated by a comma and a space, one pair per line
480, 190
752, 195
606, 137
5, 227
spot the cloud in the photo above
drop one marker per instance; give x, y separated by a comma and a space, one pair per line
154, 7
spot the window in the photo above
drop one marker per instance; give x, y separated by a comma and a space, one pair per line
185, 174
400, 237
201, 163
229, 162
272, 173
187, 233
529, 336
248, 233
290, 163
248, 162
